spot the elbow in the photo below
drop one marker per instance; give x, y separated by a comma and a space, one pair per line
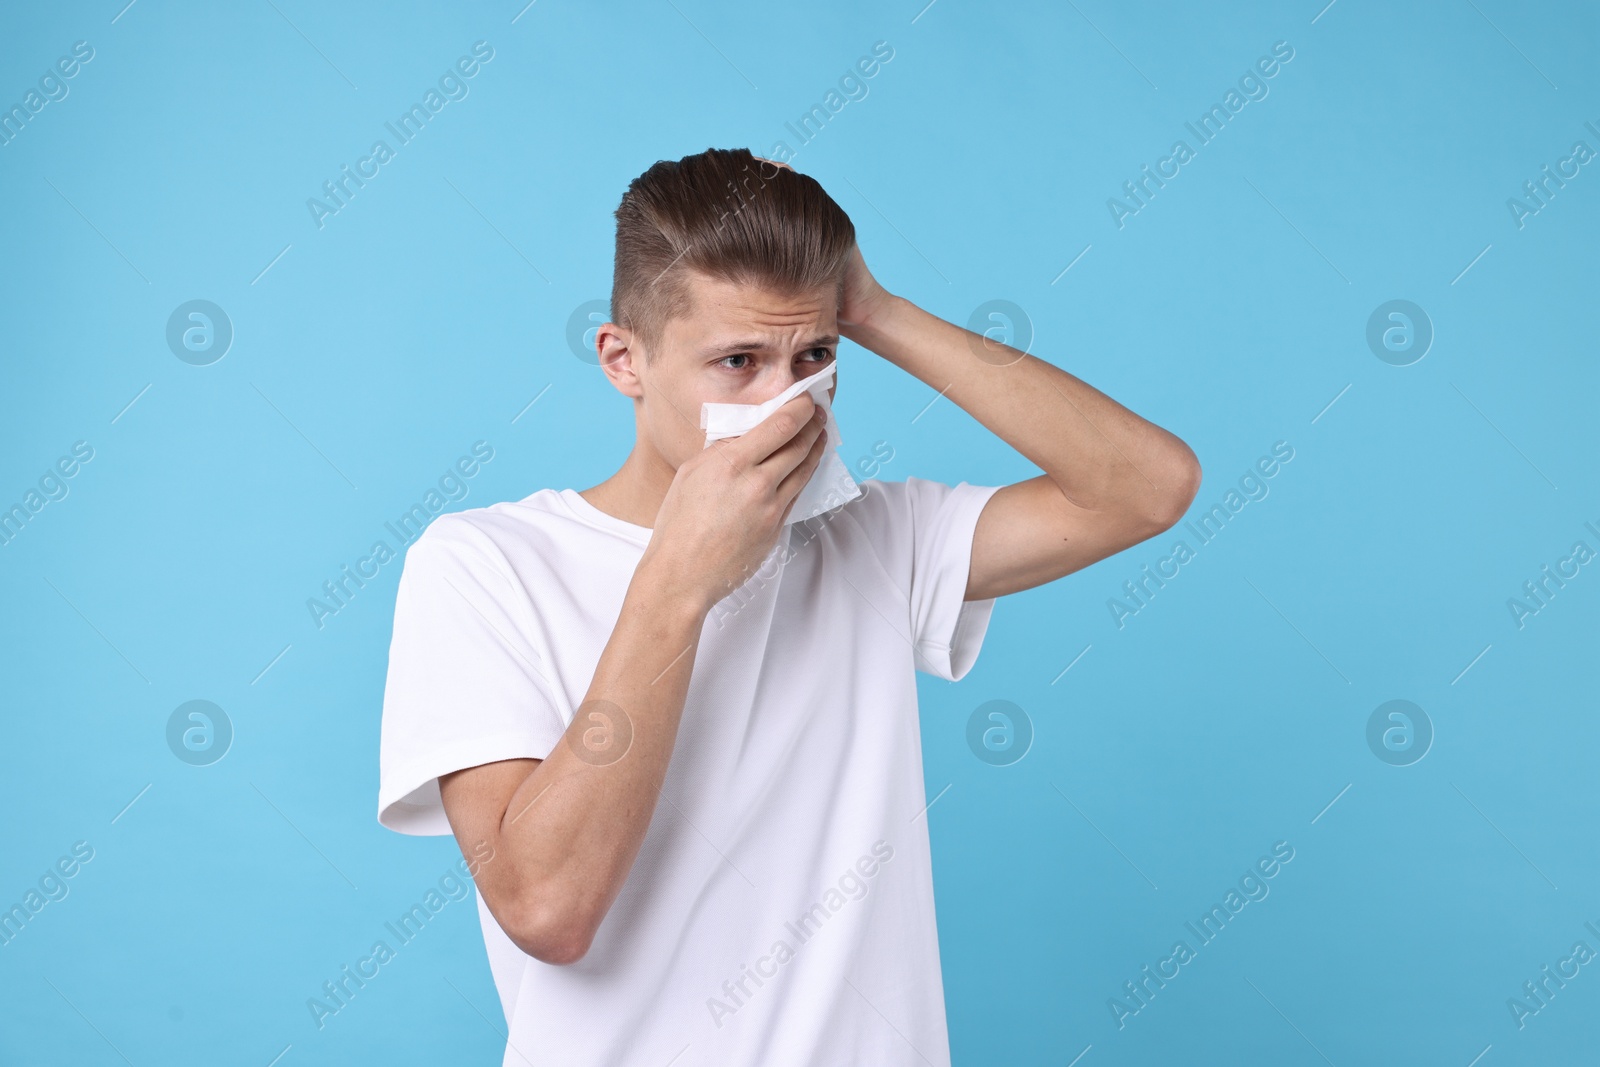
551, 935
1179, 485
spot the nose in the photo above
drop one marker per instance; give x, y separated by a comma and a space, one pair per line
788, 381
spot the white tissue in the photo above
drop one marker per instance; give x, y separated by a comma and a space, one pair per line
831, 484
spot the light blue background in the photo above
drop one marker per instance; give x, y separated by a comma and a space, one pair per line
1225, 716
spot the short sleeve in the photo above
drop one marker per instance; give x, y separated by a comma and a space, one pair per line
930, 527
465, 686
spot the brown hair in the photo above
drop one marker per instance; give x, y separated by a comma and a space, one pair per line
729, 215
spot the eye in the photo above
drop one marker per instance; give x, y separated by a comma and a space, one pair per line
811, 355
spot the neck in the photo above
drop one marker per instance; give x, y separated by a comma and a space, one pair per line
635, 492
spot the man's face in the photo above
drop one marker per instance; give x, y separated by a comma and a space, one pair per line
732, 344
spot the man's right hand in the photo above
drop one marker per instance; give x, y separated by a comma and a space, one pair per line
726, 505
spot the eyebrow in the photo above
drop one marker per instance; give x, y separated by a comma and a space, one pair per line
730, 348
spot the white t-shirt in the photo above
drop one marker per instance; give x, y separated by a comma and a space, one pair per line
780, 911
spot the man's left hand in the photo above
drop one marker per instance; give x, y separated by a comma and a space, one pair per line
863, 298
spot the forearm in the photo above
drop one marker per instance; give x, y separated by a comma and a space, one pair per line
575, 824
1100, 454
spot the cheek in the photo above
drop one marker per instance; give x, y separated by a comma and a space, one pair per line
675, 427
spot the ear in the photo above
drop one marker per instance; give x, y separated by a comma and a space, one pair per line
620, 356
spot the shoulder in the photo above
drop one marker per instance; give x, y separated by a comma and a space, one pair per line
884, 502
878, 496
889, 519
490, 532
918, 519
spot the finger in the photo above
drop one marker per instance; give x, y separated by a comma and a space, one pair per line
796, 480
771, 434
780, 463
792, 455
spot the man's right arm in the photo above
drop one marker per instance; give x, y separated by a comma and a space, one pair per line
569, 826
566, 829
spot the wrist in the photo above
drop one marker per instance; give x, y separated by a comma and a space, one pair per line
876, 323
667, 587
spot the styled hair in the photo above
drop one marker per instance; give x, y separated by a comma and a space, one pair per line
729, 215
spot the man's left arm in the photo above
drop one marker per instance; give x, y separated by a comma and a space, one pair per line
1112, 479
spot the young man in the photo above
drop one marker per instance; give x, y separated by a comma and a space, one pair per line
679, 734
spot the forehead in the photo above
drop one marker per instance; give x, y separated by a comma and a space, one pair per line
716, 307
